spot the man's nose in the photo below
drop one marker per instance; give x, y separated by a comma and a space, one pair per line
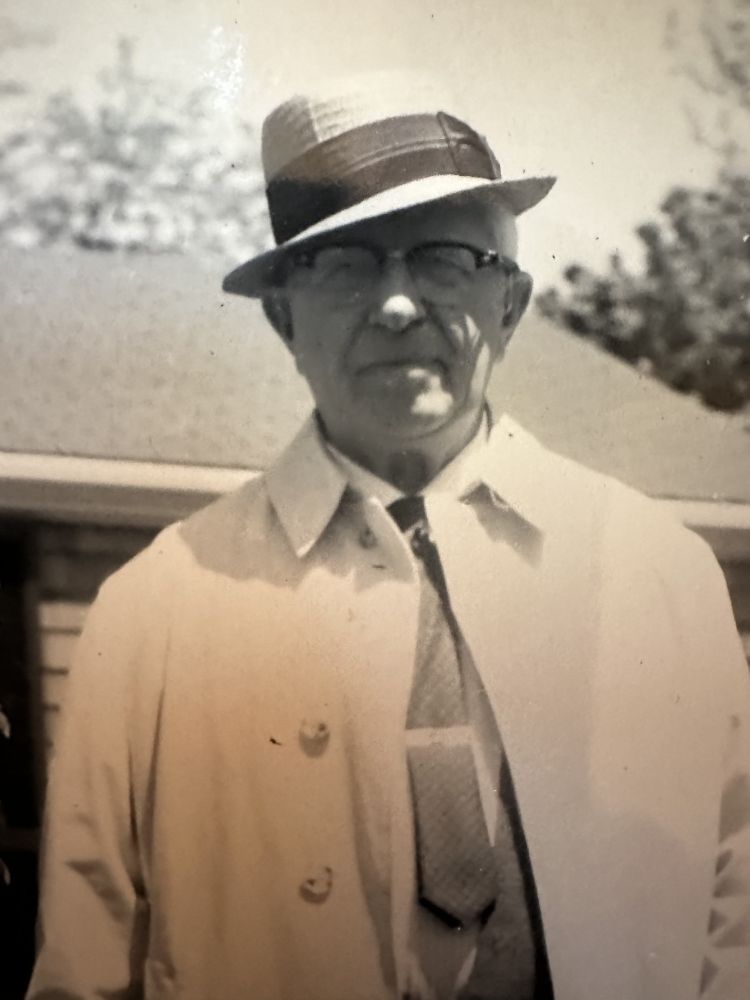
396, 303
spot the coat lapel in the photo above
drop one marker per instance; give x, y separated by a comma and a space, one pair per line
582, 666
524, 602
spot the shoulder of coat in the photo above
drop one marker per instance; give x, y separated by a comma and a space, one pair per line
580, 498
220, 526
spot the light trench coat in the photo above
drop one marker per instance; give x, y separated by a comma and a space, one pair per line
229, 811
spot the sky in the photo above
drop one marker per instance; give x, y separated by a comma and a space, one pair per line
583, 89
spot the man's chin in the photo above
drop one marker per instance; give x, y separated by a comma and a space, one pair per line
408, 397
409, 419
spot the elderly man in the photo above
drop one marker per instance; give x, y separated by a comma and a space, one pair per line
425, 711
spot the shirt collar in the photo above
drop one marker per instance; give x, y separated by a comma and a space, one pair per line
308, 481
455, 480
305, 486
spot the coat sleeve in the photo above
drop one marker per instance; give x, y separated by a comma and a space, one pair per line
726, 965
93, 911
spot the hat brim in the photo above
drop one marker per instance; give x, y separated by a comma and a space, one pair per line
255, 277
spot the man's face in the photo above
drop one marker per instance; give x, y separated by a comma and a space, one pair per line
394, 358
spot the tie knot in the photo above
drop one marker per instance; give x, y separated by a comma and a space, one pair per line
408, 512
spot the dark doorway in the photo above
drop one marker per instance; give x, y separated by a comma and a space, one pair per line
18, 798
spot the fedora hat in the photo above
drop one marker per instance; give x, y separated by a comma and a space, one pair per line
366, 147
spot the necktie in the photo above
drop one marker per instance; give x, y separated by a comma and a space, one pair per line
457, 865
511, 962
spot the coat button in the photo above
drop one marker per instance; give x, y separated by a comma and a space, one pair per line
419, 539
317, 887
367, 538
314, 735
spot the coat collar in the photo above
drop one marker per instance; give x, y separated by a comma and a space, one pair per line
306, 484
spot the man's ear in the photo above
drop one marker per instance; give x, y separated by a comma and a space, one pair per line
279, 315
519, 296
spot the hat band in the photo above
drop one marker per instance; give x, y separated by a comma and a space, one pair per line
345, 170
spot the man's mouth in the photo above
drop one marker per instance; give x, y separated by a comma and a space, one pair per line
404, 364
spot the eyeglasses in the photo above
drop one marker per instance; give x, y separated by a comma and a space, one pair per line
441, 271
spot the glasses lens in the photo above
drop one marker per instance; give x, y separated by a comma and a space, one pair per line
442, 270
343, 269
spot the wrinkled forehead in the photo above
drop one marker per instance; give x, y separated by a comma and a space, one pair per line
486, 226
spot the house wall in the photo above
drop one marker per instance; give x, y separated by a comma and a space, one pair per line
737, 573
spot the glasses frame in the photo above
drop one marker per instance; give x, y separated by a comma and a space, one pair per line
483, 258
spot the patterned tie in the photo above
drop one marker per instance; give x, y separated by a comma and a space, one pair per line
457, 865
511, 960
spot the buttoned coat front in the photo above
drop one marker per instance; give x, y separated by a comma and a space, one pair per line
229, 807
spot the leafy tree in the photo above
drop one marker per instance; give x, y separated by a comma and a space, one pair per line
145, 170
685, 316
